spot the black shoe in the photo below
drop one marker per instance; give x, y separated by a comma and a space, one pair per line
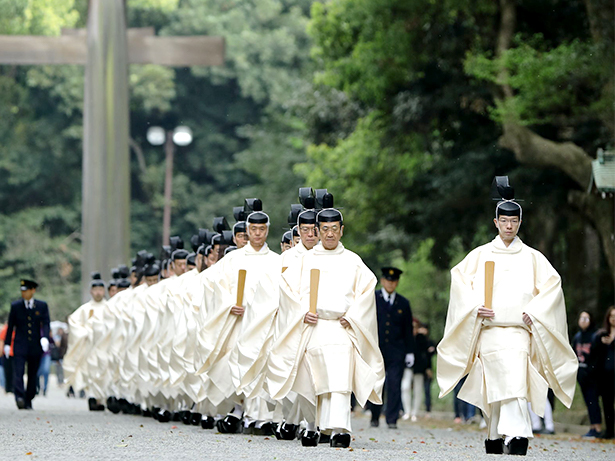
325, 438
310, 439
208, 422
125, 406
517, 446
21, 404
155, 413
195, 419
136, 410
374, 423
113, 405
266, 429
92, 404
176, 416
230, 424
249, 429
286, 431
340, 440
164, 416
494, 447
28, 406
146, 413
185, 416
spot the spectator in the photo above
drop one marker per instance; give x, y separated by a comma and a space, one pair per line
7, 362
421, 371
582, 344
2, 379
44, 367
464, 412
604, 349
431, 351
61, 342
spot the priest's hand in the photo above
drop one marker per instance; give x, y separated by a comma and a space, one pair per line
237, 310
310, 319
45, 344
486, 313
345, 323
526, 319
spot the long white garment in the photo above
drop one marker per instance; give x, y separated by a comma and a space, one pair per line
325, 358
232, 347
503, 358
181, 360
80, 344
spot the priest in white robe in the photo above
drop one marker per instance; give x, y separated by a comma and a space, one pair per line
235, 337
81, 341
327, 355
515, 351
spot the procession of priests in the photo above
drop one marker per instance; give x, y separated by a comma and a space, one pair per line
236, 337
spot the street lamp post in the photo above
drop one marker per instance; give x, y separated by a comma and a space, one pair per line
180, 136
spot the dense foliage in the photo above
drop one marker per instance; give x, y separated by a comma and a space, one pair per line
393, 105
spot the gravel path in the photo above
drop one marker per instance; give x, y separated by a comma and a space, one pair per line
62, 429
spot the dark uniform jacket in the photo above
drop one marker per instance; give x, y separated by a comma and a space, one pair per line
30, 326
395, 333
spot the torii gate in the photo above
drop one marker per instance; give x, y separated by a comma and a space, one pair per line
106, 49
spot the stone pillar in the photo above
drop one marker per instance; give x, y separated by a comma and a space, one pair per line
106, 160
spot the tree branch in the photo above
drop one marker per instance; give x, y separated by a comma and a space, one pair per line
532, 149
139, 152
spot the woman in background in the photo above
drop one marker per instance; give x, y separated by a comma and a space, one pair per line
604, 349
582, 345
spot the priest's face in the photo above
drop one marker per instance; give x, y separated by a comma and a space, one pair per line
179, 266
257, 234
285, 246
151, 280
98, 293
507, 226
240, 239
112, 291
212, 258
309, 235
330, 234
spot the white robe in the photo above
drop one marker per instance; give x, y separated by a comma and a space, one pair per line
232, 347
315, 360
80, 344
504, 358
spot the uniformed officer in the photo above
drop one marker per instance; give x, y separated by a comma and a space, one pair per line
29, 318
395, 335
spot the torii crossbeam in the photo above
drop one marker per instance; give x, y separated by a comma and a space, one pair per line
106, 49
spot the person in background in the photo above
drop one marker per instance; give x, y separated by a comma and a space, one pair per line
29, 320
61, 342
464, 412
396, 342
2, 378
604, 349
423, 351
7, 361
44, 368
582, 345
431, 350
